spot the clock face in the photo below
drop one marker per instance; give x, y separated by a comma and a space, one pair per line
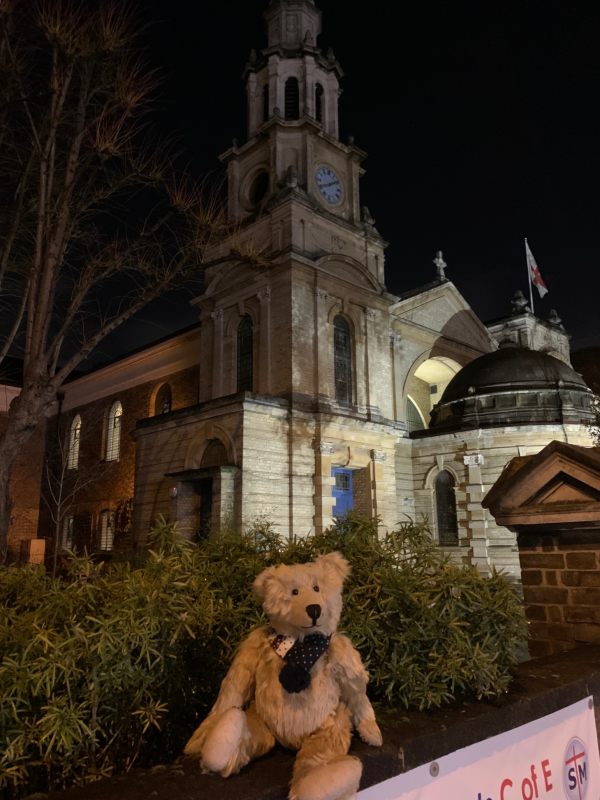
329, 184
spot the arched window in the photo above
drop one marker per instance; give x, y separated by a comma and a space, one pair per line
266, 107
67, 532
445, 509
245, 346
107, 531
292, 99
163, 400
113, 432
319, 103
342, 360
74, 437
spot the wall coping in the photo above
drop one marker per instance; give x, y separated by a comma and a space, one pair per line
541, 686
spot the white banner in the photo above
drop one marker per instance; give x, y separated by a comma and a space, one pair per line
552, 758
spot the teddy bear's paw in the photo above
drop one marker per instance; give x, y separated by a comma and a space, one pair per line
369, 732
337, 780
222, 743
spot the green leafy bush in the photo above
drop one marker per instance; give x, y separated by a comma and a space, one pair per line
112, 665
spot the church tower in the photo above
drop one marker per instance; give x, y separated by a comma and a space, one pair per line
293, 91
295, 310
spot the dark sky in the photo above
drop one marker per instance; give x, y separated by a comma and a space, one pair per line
481, 121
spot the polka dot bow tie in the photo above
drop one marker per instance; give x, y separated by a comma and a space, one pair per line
299, 657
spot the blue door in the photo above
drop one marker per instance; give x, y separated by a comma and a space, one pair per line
342, 491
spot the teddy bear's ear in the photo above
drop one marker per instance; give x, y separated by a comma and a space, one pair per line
336, 563
262, 581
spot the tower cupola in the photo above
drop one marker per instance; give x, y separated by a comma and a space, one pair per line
291, 78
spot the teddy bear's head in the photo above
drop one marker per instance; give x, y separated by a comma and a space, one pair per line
303, 599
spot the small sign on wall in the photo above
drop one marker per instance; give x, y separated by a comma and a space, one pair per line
473, 460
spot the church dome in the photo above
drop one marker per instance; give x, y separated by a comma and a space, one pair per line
513, 386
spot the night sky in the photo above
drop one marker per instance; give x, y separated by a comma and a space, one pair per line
481, 121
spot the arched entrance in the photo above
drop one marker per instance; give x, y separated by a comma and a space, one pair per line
424, 388
205, 495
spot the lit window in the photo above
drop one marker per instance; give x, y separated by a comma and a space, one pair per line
113, 432
67, 533
245, 347
445, 508
342, 357
107, 530
75, 436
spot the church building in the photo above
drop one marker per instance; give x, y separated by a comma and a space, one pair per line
307, 389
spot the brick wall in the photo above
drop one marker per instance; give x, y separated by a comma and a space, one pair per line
25, 491
561, 589
108, 485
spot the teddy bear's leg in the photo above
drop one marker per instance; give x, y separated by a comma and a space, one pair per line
235, 739
323, 770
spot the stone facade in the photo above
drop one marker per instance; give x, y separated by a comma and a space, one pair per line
305, 376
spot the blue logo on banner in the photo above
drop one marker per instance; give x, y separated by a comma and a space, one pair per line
576, 770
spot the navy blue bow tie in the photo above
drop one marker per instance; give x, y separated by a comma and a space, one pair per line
299, 660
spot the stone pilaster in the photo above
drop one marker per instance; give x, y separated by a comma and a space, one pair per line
323, 500
264, 360
218, 365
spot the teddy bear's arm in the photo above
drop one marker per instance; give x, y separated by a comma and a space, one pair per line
352, 679
237, 687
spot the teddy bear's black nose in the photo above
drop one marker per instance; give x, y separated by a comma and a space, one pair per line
314, 611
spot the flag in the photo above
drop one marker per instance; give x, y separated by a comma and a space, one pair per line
535, 276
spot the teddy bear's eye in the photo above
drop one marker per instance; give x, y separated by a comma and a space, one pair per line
294, 591
316, 589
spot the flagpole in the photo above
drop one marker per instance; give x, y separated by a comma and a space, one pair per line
529, 278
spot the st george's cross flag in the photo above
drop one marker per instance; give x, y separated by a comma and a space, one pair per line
535, 276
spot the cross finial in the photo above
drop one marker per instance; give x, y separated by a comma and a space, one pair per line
440, 266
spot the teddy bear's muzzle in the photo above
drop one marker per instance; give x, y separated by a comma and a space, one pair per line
314, 612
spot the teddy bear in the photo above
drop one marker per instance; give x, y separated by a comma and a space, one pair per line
296, 681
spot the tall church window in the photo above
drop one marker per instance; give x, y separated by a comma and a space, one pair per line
342, 359
113, 432
163, 400
292, 99
245, 348
265, 99
107, 531
319, 103
445, 509
74, 437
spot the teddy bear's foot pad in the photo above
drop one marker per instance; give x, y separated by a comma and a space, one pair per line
222, 744
337, 780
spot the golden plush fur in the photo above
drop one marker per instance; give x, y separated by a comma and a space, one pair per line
253, 710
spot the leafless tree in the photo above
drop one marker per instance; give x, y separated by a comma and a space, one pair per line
64, 485
94, 224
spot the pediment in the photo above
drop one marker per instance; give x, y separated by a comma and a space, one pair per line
344, 268
561, 482
443, 308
